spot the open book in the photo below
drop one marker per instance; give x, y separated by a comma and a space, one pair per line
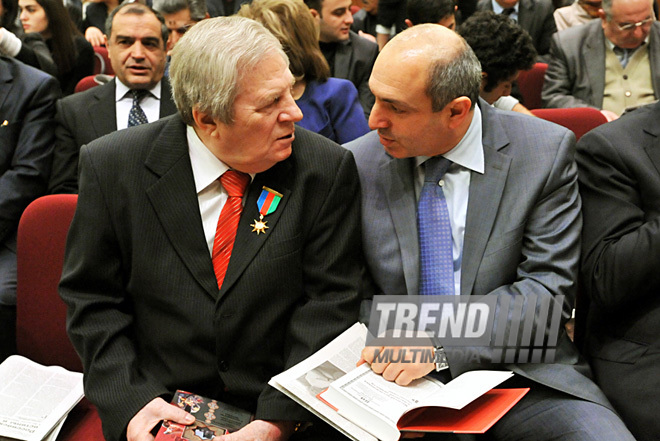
364, 406
35, 399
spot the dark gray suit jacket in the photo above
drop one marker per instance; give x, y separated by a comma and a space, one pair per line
27, 128
145, 313
619, 167
576, 71
82, 118
534, 16
354, 61
522, 232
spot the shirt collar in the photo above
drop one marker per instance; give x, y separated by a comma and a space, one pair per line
469, 152
121, 90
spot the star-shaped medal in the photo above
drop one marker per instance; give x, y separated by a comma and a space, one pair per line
259, 226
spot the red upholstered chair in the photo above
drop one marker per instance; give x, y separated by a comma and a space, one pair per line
91, 81
578, 119
102, 61
40, 312
530, 83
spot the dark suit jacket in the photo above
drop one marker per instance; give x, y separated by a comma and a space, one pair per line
354, 61
620, 186
82, 118
27, 135
576, 72
145, 313
534, 16
522, 232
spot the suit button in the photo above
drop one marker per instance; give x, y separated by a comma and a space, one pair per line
222, 366
628, 93
625, 77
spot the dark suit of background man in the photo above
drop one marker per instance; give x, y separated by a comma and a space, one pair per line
136, 41
514, 216
350, 56
577, 74
145, 311
534, 16
27, 133
620, 186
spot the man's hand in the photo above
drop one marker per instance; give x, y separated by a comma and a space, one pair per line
260, 430
367, 36
94, 36
139, 428
401, 373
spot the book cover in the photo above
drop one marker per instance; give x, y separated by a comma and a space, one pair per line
212, 417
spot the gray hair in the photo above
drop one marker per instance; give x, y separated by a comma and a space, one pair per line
454, 75
197, 8
607, 8
209, 59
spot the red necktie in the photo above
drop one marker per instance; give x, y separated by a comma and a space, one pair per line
234, 184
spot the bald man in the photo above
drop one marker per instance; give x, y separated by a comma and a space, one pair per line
513, 209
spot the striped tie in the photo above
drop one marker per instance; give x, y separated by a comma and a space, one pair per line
234, 183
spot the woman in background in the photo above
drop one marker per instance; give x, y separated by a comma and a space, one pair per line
330, 106
72, 54
30, 49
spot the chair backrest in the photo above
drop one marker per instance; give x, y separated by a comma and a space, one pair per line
102, 63
91, 81
530, 83
40, 312
578, 119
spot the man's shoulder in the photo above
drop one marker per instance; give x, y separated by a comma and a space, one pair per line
362, 45
22, 74
77, 101
310, 146
575, 36
368, 151
627, 129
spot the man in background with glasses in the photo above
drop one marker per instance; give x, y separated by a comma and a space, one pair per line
612, 64
578, 13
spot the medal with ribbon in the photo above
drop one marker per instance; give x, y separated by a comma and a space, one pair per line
267, 204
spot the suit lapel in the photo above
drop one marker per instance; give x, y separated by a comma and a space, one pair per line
6, 79
175, 202
485, 195
526, 14
398, 182
247, 242
652, 146
167, 106
104, 118
593, 54
343, 59
654, 57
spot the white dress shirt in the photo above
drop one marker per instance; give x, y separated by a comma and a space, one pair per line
498, 10
124, 101
207, 168
466, 157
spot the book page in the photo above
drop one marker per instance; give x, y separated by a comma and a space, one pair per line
34, 398
304, 381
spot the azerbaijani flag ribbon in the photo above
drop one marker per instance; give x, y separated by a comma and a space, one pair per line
268, 201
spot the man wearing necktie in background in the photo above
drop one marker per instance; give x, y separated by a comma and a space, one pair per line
611, 64
215, 248
136, 40
512, 215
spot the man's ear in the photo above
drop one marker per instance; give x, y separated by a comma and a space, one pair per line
314, 13
205, 124
408, 22
459, 108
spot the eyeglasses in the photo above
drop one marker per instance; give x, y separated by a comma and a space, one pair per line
630, 26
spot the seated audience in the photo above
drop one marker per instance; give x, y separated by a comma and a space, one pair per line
579, 12
364, 20
27, 135
619, 166
330, 106
156, 301
611, 64
504, 188
139, 93
442, 12
534, 16
96, 13
503, 49
350, 56
72, 54
30, 49
180, 15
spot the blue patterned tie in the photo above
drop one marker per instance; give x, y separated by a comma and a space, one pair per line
136, 116
434, 226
